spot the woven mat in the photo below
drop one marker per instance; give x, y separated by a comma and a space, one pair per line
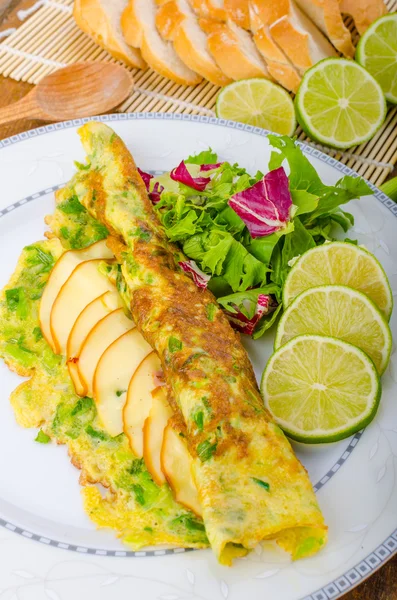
48, 39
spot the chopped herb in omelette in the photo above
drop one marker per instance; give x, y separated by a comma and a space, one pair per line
174, 345
42, 437
206, 450
261, 483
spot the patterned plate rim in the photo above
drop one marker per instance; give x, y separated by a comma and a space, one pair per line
346, 582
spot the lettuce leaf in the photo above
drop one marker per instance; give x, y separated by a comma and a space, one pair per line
294, 245
205, 157
306, 185
218, 253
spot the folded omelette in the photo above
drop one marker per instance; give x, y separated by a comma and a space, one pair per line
250, 484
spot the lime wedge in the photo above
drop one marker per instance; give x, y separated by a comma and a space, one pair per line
257, 102
341, 312
320, 389
340, 263
339, 103
377, 52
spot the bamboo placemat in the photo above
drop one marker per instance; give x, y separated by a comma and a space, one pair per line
49, 39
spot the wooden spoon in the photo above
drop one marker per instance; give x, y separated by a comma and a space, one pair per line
76, 91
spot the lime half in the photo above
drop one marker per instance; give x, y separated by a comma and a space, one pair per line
257, 102
377, 52
320, 389
339, 103
340, 263
341, 312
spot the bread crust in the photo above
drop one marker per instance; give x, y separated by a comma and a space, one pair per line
364, 12
326, 14
132, 23
172, 24
277, 63
92, 19
228, 53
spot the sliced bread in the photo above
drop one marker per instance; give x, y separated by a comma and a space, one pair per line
364, 12
140, 19
177, 22
209, 9
100, 19
265, 12
326, 14
277, 63
238, 12
300, 39
234, 50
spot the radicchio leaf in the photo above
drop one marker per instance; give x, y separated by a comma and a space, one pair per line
210, 167
182, 175
266, 206
200, 278
242, 323
155, 194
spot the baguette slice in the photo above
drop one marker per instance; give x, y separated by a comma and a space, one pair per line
326, 14
277, 63
139, 26
210, 9
266, 12
300, 39
234, 50
238, 12
100, 19
364, 12
176, 22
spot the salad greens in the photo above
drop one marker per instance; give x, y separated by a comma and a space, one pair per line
241, 232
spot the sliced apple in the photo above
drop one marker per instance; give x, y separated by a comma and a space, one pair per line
101, 336
61, 272
84, 285
139, 401
153, 432
95, 311
176, 465
112, 376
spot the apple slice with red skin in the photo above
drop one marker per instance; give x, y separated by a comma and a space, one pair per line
113, 374
176, 463
61, 272
101, 336
84, 285
153, 431
89, 317
139, 401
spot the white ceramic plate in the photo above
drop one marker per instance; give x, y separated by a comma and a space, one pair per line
65, 556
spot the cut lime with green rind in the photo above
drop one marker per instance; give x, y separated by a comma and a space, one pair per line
257, 102
377, 52
341, 312
339, 103
320, 389
340, 263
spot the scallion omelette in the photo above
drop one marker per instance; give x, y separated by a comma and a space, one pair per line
139, 373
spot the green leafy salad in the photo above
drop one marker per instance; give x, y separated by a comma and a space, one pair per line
241, 232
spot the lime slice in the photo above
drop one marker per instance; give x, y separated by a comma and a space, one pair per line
339, 103
341, 312
377, 52
257, 102
340, 263
320, 389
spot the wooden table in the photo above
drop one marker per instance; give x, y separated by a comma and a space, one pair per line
383, 584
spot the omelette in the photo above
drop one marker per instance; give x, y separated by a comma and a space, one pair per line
250, 485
